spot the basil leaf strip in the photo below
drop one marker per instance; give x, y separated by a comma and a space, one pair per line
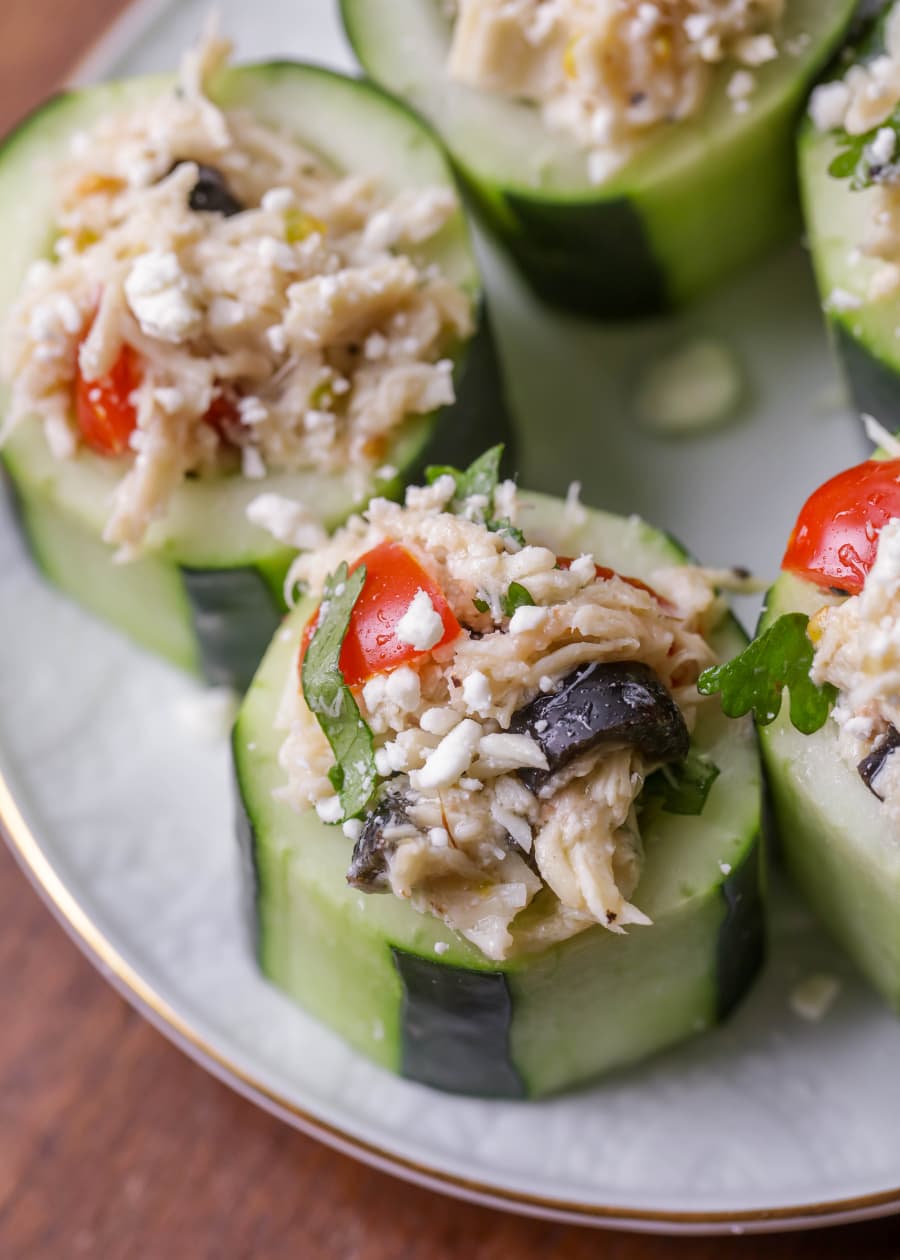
326, 693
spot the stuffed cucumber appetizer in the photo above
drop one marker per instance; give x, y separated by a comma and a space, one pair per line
251, 278
850, 181
830, 636
628, 154
494, 836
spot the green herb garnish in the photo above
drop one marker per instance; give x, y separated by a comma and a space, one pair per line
516, 597
681, 788
481, 605
779, 658
481, 477
353, 776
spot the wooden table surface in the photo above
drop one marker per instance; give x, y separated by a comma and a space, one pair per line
114, 1145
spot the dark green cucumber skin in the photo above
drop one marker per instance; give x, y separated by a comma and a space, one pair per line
742, 939
874, 385
564, 253
235, 613
455, 1028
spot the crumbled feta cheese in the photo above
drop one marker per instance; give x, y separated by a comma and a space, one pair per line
881, 151
286, 520
160, 296
813, 997
252, 465
352, 829
402, 688
828, 105
437, 721
842, 300
169, 398
477, 693
502, 751
725, 868
756, 50
421, 625
741, 84
329, 809
441, 947
278, 200
451, 759
439, 837
528, 617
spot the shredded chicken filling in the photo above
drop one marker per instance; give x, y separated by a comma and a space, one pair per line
471, 842
296, 331
608, 72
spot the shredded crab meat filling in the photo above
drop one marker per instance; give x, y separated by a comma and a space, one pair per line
608, 72
510, 868
864, 99
306, 311
857, 649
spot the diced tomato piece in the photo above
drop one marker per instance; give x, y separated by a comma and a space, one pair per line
106, 416
223, 415
835, 539
371, 646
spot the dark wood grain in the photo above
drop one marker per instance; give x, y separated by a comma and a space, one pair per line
113, 1145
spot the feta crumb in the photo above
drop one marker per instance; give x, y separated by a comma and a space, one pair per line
450, 759
725, 868
438, 721
828, 105
477, 693
842, 300
502, 751
881, 151
352, 829
528, 617
287, 521
252, 465
741, 85
441, 947
813, 997
160, 297
329, 809
169, 398
756, 50
439, 837
402, 688
421, 625
277, 338
277, 199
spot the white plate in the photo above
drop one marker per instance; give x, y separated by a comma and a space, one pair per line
123, 816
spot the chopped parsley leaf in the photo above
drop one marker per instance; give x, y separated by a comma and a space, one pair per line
780, 657
681, 788
516, 597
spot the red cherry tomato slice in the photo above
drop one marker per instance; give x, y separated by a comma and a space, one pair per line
371, 646
835, 540
603, 574
105, 415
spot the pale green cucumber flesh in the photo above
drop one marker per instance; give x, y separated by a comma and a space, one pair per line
702, 199
836, 842
563, 1015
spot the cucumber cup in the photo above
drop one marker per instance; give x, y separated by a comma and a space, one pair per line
205, 590
702, 198
824, 639
421, 1000
842, 180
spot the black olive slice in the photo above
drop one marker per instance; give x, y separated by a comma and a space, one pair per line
870, 767
211, 192
605, 704
369, 864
